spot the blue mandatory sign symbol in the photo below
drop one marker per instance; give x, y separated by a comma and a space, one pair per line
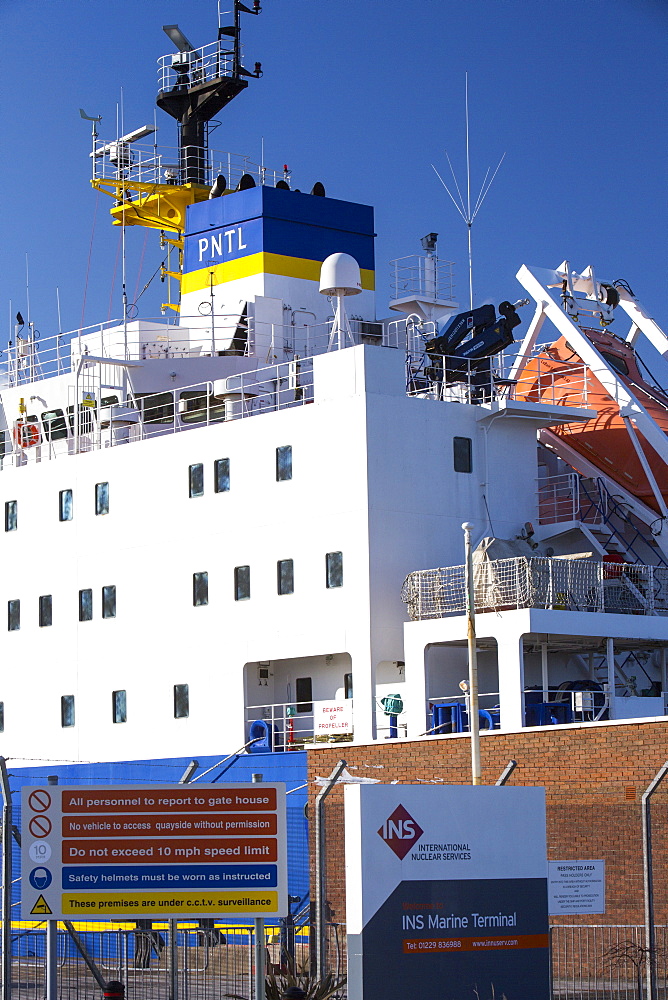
40, 878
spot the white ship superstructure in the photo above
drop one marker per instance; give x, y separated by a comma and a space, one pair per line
208, 519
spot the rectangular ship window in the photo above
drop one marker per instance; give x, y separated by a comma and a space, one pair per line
304, 694
85, 605
101, 498
2, 716
13, 616
45, 610
181, 701
462, 454
196, 480
200, 589
241, 583
119, 706
65, 505
334, 567
11, 515
221, 475
284, 463
286, 576
109, 601
67, 710
347, 685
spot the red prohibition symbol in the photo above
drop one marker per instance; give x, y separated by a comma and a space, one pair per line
39, 800
40, 826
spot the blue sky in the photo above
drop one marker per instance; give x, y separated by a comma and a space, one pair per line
363, 95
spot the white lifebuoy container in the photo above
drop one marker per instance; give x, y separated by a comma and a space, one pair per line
26, 435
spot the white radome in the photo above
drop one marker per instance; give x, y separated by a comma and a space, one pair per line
340, 275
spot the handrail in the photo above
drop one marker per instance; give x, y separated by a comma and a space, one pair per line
559, 584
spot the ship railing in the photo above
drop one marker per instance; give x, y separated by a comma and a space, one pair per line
285, 725
148, 163
410, 334
547, 706
179, 70
539, 382
112, 420
558, 584
235, 397
563, 498
558, 498
585, 700
425, 278
32, 357
303, 340
448, 714
456, 379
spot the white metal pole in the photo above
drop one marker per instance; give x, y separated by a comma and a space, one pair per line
469, 220
544, 670
52, 960
610, 659
259, 943
6, 882
339, 321
648, 884
474, 721
173, 960
52, 943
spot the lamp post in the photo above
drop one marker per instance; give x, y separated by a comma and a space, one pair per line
474, 721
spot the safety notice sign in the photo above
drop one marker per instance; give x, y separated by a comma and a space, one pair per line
151, 850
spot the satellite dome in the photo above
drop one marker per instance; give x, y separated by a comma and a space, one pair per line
340, 275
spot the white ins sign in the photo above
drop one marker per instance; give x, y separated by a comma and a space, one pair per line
332, 717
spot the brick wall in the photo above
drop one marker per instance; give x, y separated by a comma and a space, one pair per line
594, 777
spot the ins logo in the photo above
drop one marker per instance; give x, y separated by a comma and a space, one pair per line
400, 832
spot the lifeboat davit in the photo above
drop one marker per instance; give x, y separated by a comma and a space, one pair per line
556, 376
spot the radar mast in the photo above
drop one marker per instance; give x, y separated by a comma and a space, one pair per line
148, 188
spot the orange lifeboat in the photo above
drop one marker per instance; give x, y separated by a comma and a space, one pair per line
557, 375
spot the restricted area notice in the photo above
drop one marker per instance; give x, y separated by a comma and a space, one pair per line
154, 850
576, 887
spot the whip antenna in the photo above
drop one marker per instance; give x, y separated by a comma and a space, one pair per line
467, 213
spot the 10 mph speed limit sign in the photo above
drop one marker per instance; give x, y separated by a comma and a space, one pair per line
162, 850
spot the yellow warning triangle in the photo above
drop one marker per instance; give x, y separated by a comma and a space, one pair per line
41, 906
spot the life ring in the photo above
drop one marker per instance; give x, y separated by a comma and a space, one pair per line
26, 435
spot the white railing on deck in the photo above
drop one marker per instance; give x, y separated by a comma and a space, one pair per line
31, 358
147, 163
558, 498
540, 582
170, 411
456, 379
291, 724
561, 498
183, 69
420, 277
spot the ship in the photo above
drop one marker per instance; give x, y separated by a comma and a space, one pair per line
249, 510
